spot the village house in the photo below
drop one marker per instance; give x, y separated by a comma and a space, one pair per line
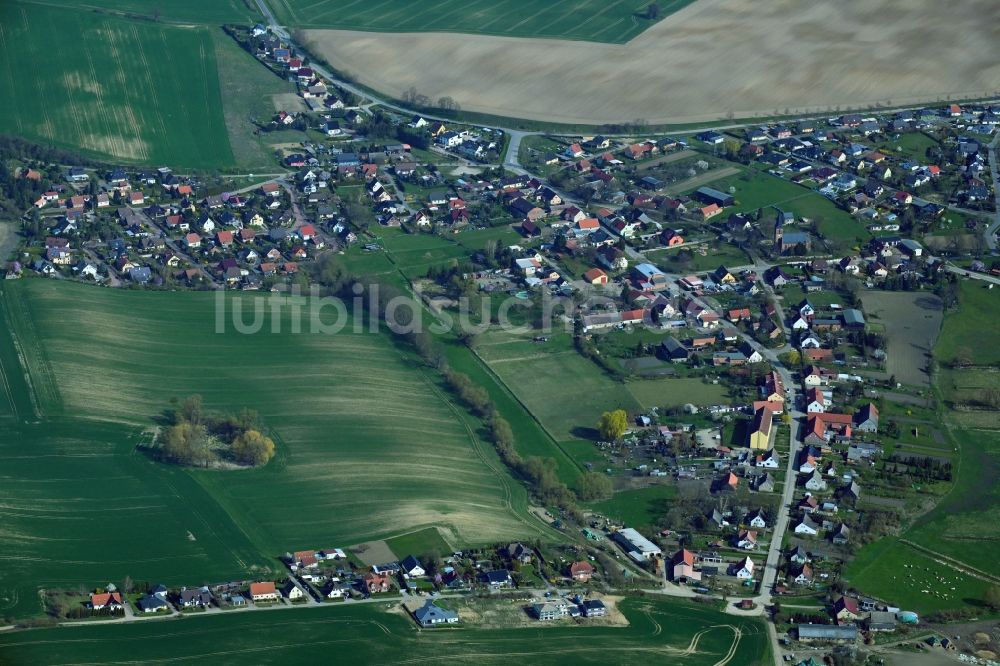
682, 567
265, 591
111, 600
742, 569
581, 571
430, 615
375, 583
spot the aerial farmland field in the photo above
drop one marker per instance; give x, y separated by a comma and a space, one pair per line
661, 631
590, 20
215, 12
131, 90
704, 62
369, 446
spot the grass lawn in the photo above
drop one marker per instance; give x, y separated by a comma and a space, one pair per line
413, 254
130, 90
565, 391
758, 189
589, 20
477, 240
909, 145
911, 580
657, 628
641, 507
672, 391
417, 543
699, 258
369, 445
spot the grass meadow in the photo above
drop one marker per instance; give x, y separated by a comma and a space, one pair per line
568, 392
369, 444
639, 507
565, 391
250, 90
126, 89
965, 525
427, 540
588, 20
913, 581
661, 630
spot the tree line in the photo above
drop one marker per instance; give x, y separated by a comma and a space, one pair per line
537, 472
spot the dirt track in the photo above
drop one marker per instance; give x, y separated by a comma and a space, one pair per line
713, 58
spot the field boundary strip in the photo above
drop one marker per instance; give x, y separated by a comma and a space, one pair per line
14, 313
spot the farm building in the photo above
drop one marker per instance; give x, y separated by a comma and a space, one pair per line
638, 547
823, 632
709, 196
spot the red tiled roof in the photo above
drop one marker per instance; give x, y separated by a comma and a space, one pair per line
261, 588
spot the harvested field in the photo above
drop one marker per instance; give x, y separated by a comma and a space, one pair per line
710, 59
912, 322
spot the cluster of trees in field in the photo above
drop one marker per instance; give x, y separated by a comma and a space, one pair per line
201, 438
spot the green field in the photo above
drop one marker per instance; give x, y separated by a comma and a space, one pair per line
369, 444
973, 327
79, 506
675, 259
216, 12
659, 632
417, 543
126, 89
589, 20
640, 507
909, 145
911, 580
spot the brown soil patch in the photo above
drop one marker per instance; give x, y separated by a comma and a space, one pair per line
289, 102
374, 552
709, 60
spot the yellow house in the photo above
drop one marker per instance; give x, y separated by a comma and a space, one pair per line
437, 129
760, 431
